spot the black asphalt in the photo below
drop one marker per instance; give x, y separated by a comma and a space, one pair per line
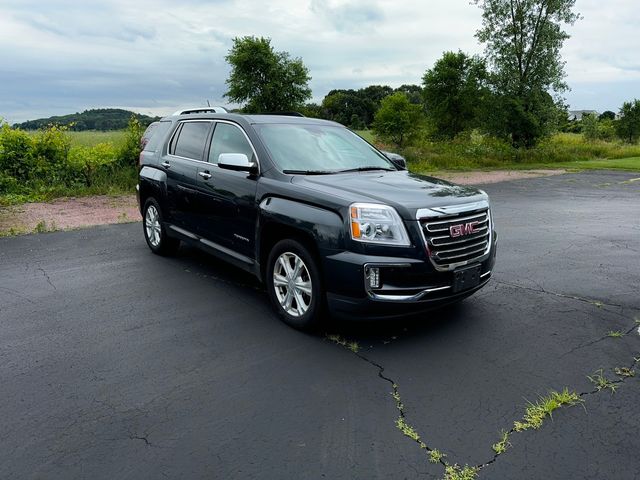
116, 363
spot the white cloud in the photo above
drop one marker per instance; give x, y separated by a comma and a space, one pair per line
62, 55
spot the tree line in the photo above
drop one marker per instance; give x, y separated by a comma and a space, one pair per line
103, 119
512, 92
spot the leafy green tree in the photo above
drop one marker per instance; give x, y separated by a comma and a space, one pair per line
265, 80
398, 120
454, 91
590, 126
607, 115
413, 92
523, 39
628, 127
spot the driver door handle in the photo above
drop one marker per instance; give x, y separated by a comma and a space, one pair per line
205, 175
166, 164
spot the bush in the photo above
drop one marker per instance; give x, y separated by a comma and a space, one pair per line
45, 165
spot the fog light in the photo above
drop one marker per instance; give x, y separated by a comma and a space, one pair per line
373, 277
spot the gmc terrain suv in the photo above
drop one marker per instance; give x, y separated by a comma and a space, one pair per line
319, 215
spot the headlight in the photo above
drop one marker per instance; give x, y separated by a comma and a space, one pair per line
375, 223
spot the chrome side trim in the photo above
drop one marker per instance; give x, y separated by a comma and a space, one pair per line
184, 232
226, 251
215, 246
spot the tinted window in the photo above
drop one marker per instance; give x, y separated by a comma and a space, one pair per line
155, 135
228, 139
191, 140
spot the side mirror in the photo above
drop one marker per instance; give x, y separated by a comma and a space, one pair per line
238, 162
398, 160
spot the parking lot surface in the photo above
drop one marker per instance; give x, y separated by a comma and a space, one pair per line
116, 363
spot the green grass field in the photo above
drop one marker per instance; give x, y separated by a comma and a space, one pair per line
90, 138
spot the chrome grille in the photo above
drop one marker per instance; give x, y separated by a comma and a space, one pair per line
450, 242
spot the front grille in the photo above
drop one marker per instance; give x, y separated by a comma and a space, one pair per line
457, 239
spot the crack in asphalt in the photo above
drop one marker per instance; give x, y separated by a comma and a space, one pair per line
541, 289
46, 275
408, 431
146, 441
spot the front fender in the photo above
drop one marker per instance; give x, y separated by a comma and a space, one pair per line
326, 227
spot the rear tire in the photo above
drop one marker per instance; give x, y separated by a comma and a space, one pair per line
154, 230
294, 285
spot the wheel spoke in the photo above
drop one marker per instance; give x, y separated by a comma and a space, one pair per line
304, 287
300, 303
279, 280
288, 299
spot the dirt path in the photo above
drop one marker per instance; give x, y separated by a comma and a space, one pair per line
69, 213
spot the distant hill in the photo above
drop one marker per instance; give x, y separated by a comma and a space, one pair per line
97, 119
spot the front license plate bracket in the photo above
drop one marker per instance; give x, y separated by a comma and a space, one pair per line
466, 278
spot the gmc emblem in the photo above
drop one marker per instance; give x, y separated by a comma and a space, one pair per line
462, 229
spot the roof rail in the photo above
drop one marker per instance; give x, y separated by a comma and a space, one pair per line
286, 114
201, 110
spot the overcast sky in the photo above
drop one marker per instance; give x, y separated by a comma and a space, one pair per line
63, 56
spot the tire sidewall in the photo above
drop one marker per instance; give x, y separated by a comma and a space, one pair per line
311, 318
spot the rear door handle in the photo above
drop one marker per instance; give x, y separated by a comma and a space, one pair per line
205, 175
166, 164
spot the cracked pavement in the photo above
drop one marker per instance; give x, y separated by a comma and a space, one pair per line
115, 363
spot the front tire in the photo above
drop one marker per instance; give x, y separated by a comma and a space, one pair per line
154, 230
294, 285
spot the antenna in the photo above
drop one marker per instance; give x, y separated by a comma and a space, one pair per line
208, 104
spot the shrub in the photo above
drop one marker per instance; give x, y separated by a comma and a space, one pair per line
91, 161
130, 149
16, 150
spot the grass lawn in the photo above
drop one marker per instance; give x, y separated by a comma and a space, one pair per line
366, 134
627, 164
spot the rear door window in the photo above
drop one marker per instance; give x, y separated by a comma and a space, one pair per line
228, 138
191, 141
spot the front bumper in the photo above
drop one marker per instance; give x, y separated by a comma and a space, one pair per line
407, 286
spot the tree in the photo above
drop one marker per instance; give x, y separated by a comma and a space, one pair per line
266, 80
607, 115
398, 120
523, 39
590, 126
628, 127
453, 92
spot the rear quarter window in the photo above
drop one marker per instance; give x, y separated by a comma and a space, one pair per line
156, 135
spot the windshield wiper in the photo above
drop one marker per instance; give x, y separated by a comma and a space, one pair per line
367, 169
308, 172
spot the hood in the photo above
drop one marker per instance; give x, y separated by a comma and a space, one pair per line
405, 191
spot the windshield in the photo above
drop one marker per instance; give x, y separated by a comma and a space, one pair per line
319, 149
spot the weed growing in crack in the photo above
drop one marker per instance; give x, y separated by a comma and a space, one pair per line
455, 472
408, 430
436, 456
535, 413
503, 444
624, 372
601, 382
353, 346
615, 334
